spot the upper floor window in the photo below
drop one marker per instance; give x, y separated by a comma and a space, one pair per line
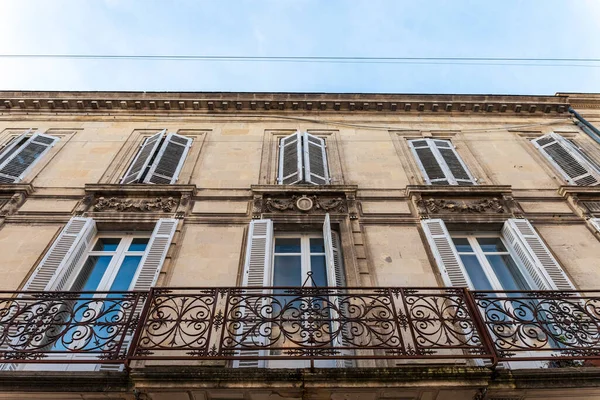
302, 159
439, 162
21, 153
159, 159
575, 166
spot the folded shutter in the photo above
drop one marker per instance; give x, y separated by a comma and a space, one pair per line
529, 247
169, 161
16, 165
290, 159
456, 170
142, 158
567, 160
429, 164
316, 170
257, 268
445, 254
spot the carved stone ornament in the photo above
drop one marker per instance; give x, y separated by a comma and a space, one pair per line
435, 206
135, 205
304, 203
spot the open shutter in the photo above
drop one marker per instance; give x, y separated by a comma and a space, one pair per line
59, 263
257, 268
142, 158
429, 164
455, 169
13, 146
169, 161
290, 159
316, 170
14, 167
595, 223
567, 160
543, 268
447, 258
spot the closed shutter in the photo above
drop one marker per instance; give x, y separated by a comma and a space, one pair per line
335, 278
529, 247
169, 161
257, 268
567, 160
456, 170
290, 159
59, 263
445, 254
15, 167
439, 162
142, 158
316, 170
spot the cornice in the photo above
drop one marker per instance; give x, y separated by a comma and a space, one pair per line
272, 103
300, 189
462, 191
139, 190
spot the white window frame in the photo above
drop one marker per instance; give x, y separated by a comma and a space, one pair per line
304, 254
303, 168
449, 176
483, 261
116, 261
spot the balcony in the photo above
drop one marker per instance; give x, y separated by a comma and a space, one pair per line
299, 327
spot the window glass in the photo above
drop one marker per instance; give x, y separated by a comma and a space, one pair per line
493, 245
106, 244
475, 272
126, 273
287, 245
95, 268
462, 245
287, 271
507, 272
317, 245
319, 270
138, 244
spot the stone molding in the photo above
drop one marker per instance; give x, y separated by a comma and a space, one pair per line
585, 200
135, 205
207, 103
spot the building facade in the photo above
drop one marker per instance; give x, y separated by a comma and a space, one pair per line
299, 246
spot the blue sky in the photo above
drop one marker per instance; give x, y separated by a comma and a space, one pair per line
378, 28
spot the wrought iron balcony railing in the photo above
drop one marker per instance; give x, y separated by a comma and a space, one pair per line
298, 326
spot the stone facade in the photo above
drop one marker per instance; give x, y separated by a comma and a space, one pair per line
377, 199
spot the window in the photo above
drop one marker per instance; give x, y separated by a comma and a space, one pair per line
302, 159
576, 167
488, 263
21, 153
159, 159
514, 259
439, 162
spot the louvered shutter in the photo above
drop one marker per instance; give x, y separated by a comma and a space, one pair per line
595, 223
13, 146
169, 161
567, 160
15, 167
142, 158
257, 273
335, 278
456, 171
316, 170
445, 254
529, 247
59, 263
430, 167
290, 159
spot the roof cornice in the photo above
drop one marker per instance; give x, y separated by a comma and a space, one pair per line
226, 102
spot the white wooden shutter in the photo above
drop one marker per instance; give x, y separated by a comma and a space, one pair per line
155, 254
567, 160
543, 268
447, 258
290, 159
454, 167
430, 167
316, 170
59, 263
14, 168
595, 223
13, 146
257, 273
142, 158
169, 161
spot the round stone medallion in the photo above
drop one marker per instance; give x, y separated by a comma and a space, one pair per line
304, 203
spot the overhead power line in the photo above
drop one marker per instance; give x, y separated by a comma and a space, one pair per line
545, 62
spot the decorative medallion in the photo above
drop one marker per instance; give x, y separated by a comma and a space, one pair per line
304, 203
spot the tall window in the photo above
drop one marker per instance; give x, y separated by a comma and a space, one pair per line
439, 162
489, 264
21, 153
295, 255
576, 167
302, 159
159, 159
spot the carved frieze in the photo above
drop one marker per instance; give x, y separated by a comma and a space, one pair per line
168, 204
301, 203
434, 206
